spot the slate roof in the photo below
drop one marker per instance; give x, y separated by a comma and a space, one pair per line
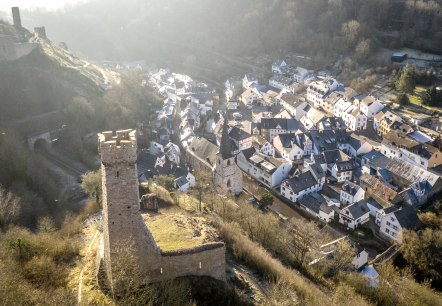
249, 152
285, 124
374, 203
337, 123
181, 181
281, 79
346, 165
303, 181
290, 99
355, 143
410, 173
316, 203
225, 148
407, 217
333, 156
330, 191
238, 134
287, 140
146, 165
317, 171
350, 188
204, 149
358, 209
333, 98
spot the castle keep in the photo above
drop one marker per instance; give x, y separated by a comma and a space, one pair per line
124, 227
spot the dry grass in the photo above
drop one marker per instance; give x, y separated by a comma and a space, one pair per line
176, 231
90, 293
257, 257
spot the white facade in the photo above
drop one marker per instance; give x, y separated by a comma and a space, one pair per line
281, 83
363, 149
290, 154
296, 110
341, 176
279, 67
326, 217
268, 178
360, 260
267, 149
370, 106
390, 227
288, 193
348, 198
317, 91
354, 119
347, 219
248, 81
300, 74
189, 184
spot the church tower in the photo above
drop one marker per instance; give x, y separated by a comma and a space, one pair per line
228, 176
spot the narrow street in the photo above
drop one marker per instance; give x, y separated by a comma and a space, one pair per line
278, 205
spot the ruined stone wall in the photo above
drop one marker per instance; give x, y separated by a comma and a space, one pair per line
125, 230
23, 49
11, 51
205, 260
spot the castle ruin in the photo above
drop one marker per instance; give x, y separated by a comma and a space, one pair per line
16, 17
123, 224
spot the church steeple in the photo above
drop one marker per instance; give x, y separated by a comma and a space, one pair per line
225, 149
228, 176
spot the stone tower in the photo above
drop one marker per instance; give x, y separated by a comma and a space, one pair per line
228, 176
123, 226
16, 17
126, 238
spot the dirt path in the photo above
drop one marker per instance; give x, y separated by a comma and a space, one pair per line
80, 280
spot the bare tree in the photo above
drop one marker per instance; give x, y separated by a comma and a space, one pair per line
9, 207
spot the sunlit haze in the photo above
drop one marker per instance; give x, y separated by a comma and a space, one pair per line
5, 5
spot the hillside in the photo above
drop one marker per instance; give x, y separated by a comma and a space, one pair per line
43, 79
323, 28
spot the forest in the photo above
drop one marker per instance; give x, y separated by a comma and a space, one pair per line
156, 29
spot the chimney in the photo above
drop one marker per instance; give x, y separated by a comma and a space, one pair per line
16, 17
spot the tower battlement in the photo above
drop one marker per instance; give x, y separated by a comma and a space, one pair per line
118, 148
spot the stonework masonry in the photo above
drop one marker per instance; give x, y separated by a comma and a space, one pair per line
124, 227
16, 16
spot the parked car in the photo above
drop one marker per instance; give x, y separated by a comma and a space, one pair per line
237, 116
251, 200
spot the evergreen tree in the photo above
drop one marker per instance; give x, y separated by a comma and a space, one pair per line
405, 82
402, 99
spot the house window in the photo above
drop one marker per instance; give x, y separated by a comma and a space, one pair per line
387, 231
118, 173
228, 162
228, 183
388, 223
